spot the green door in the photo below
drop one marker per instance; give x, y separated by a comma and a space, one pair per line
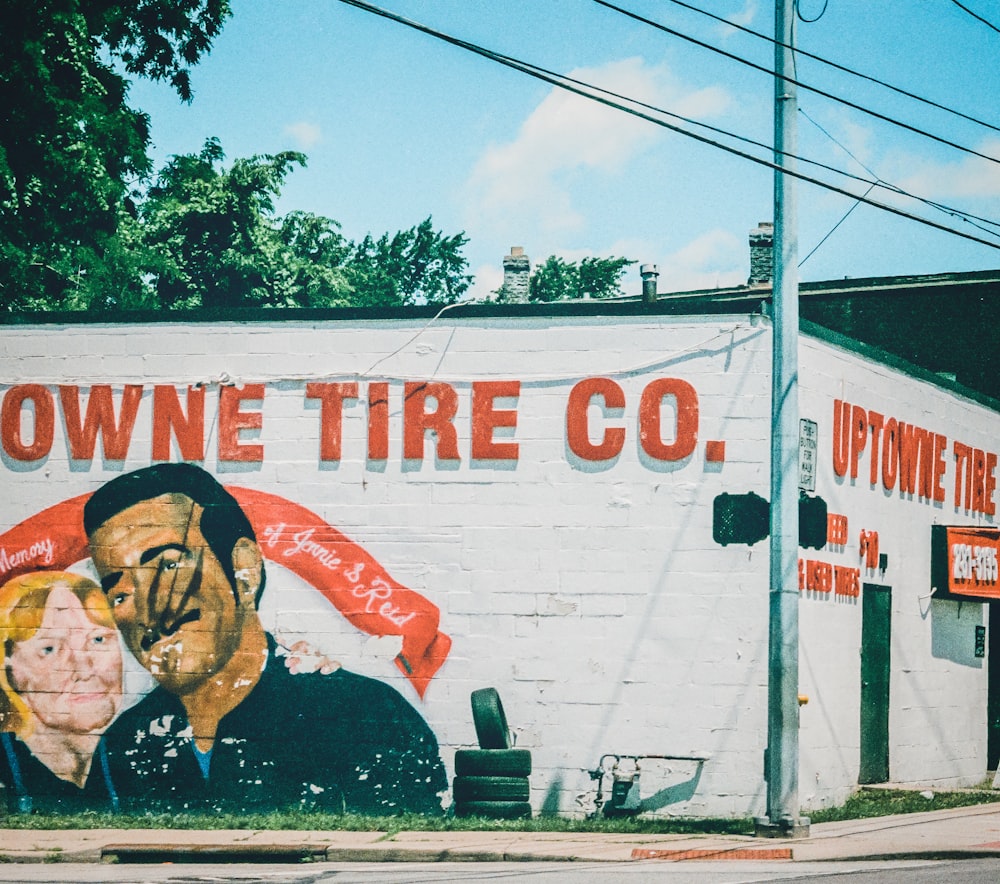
876, 619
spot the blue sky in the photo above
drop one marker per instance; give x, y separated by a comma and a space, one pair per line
398, 125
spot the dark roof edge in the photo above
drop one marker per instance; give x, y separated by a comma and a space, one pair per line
897, 362
739, 299
746, 301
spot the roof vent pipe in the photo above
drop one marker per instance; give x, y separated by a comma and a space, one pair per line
649, 275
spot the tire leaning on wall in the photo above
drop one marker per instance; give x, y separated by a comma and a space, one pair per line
490, 720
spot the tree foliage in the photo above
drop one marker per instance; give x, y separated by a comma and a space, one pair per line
559, 280
83, 225
70, 146
212, 239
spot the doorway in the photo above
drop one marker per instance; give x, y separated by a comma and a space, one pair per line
876, 622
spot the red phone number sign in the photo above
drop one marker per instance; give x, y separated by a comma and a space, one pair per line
972, 556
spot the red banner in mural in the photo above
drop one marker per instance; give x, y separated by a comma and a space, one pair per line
288, 534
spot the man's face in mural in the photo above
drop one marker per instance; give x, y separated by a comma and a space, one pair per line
69, 673
178, 612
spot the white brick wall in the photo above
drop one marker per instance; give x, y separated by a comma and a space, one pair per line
590, 594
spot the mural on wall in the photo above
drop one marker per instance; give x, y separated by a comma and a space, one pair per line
232, 720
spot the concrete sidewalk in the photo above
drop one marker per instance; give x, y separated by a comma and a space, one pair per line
960, 832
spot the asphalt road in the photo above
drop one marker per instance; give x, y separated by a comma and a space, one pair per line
966, 871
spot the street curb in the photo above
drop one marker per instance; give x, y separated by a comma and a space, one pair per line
717, 853
211, 853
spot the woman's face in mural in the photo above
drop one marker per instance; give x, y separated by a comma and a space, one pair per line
171, 599
69, 673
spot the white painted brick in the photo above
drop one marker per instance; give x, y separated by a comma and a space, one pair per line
591, 595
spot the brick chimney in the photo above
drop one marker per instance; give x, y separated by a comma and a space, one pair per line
762, 255
516, 272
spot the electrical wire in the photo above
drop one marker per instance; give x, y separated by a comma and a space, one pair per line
965, 8
816, 247
968, 217
810, 21
877, 182
747, 331
844, 101
561, 82
838, 67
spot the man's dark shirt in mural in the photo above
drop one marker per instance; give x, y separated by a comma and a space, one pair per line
339, 742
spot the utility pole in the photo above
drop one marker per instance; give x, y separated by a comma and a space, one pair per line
781, 764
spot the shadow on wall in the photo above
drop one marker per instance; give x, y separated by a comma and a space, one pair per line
673, 794
953, 631
550, 805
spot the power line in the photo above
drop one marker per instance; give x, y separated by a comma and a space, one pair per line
810, 21
965, 8
799, 83
968, 217
875, 181
835, 66
562, 83
816, 247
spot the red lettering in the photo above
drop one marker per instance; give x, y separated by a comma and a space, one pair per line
378, 421
847, 581
859, 437
417, 420
909, 442
331, 398
168, 416
989, 505
115, 434
875, 421
926, 449
819, 576
577, 427
868, 549
232, 421
43, 423
685, 419
485, 419
962, 454
890, 454
836, 529
978, 479
841, 437
940, 446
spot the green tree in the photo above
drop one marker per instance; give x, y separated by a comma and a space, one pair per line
210, 238
415, 266
70, 146
560, 280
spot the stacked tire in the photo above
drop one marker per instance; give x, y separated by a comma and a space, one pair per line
491, 781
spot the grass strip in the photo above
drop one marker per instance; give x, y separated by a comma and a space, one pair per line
867, 802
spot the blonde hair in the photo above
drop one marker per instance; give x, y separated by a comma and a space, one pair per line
22, 607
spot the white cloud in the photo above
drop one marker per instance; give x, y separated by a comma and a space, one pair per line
716, 259
971, 176
488, 278
305, 134
743, 18
568, 133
